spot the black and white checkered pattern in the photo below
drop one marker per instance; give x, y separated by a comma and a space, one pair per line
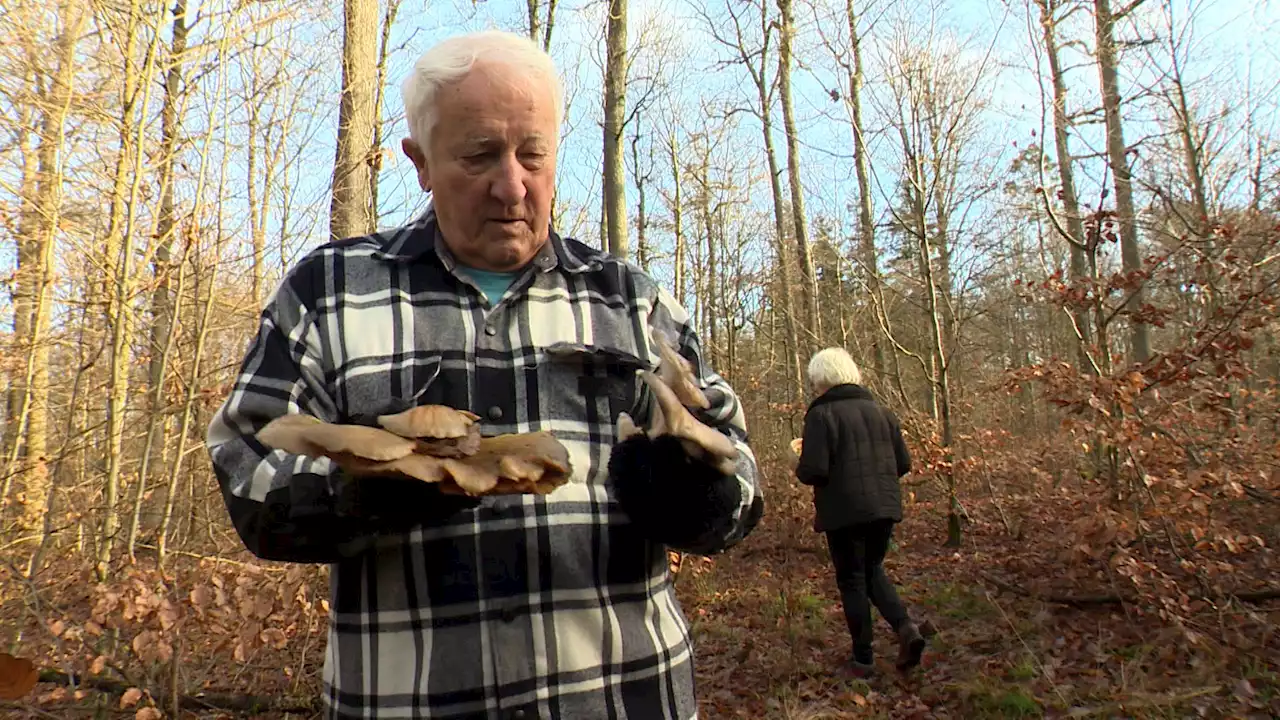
526, 606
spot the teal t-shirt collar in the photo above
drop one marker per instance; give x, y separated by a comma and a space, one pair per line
493, 284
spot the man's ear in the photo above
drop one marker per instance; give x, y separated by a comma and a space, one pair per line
415, 154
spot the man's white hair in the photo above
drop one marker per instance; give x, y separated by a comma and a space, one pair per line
833, 366
451, 59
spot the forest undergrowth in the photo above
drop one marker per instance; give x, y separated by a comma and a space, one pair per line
1040, 612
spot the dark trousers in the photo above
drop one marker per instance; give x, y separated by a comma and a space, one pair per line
858, 552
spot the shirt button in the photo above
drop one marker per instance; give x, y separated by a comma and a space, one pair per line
519, 715
509, 615
490, 330
495, 413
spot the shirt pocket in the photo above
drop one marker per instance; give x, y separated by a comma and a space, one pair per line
596, 382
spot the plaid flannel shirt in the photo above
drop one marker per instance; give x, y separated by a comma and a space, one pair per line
525, 606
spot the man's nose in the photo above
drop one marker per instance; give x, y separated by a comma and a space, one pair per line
508, 183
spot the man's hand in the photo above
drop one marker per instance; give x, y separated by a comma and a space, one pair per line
675, 390
400, 502
677, 480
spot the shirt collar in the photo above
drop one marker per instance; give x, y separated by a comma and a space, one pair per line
412, 241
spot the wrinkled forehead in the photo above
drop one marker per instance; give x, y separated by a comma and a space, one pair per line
486, 110
509, 84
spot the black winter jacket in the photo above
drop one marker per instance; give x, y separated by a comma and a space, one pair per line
853, 456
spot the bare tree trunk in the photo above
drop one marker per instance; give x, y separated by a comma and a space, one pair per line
23, 294
757, 65
66, 455
384, 51
539, 27
866, 222
1117, 156
162, 302
349, 209
808, 278
1074, 226
919, 229
677, 216
193, 391
642, 178
36, 248
254, 96
615, 110
119, 261
713, 306
941, 383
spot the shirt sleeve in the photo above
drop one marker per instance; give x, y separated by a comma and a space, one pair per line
283, 506
723, 414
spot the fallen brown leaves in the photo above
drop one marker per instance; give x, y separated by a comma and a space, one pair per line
770, 633
248, 637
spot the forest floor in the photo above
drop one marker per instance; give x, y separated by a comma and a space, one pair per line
765, 617
770, 633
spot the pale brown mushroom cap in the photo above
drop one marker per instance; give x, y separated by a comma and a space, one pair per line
505, 464
467, 464
671, 417
430, 421
288, 433
306, 435
677, 372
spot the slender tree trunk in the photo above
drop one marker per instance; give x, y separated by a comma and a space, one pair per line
23, 295
779, 219
384, 51
808, 278
615, 110
713, 261
349, 208
188, 406
866, 222
1117, 157
119, 262
1066, 176
539, 27
941, 383
162, 297
37, 243
642, 220
924, 259
677, 219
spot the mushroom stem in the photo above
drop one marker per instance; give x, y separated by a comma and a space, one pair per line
670, 417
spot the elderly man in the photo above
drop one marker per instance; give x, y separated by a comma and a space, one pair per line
507, 606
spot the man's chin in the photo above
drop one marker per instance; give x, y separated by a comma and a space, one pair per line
510, 253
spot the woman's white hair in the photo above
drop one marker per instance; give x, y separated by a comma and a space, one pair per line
450, 60
833, 366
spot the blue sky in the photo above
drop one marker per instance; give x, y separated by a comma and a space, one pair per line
1237, 45
1231, 33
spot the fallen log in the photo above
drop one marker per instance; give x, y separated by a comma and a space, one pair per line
1082, 601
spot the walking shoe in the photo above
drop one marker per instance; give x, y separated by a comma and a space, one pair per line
910, 646
858, 670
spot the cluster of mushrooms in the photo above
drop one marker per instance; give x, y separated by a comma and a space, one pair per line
442, 445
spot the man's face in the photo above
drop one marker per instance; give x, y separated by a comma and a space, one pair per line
490, 165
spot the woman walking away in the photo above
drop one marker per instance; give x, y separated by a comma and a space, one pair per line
853, 455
